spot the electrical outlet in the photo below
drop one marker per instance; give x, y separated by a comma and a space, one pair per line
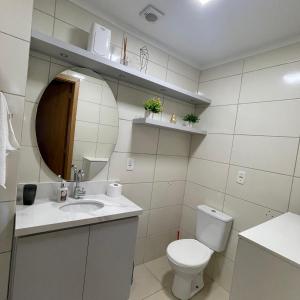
130, 164
241, 177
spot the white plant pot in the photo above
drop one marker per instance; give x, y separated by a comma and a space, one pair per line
188, 124
149, 114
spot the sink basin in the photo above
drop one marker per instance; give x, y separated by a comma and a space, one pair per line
82, 206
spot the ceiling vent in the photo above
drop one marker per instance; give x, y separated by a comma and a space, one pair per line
151, 14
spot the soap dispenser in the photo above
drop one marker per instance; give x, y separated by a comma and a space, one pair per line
62, 193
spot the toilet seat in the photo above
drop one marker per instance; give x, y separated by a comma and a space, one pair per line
189, 253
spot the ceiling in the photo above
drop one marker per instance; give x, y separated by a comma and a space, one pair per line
210, 34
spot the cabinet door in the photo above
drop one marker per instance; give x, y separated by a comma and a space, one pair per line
110, 260
51, 266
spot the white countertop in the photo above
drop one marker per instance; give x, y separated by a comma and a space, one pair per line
281, 236
44, 215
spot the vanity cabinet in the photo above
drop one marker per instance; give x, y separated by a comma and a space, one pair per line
89, 262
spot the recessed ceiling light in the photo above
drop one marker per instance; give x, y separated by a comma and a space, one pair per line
203, 2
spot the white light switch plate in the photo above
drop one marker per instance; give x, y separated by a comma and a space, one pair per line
241, 177
130, 164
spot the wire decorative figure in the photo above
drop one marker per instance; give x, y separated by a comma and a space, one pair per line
144, 59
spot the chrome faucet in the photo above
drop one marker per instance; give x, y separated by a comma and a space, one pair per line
79, 191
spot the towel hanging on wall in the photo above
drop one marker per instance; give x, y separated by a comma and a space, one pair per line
8, 141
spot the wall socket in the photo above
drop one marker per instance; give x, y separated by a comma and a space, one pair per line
130, 164
241, 177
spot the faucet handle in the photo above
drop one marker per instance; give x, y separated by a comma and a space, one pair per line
81, 174
75, 172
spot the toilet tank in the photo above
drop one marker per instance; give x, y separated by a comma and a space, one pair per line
213, 227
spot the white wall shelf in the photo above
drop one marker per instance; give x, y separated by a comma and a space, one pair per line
161, 124
83, 58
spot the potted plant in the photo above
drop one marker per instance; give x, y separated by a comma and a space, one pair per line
190, 120
152, 106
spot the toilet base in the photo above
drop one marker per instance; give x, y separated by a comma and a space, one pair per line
185, 286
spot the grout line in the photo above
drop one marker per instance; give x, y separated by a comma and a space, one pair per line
15, 37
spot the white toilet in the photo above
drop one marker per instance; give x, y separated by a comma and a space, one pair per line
189, 257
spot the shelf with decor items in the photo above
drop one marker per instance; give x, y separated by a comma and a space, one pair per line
83, 58
168, 125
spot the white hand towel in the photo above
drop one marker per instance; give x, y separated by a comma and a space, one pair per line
8, 141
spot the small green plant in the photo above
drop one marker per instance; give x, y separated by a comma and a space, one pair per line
191, 118
153, 104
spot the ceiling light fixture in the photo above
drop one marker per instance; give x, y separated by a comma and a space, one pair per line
203, 2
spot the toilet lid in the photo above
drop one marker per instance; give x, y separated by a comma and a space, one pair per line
189, 253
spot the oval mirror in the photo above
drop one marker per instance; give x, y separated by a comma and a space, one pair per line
77, 123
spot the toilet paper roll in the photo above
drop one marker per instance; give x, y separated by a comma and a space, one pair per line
114, 190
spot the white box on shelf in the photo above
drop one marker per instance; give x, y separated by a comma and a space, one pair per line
99, 40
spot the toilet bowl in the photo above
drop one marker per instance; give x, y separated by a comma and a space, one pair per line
189, 257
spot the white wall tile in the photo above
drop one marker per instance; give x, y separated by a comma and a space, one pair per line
222, 91
275, 83
182, 68
216, 147
170, 168
223, 271
7, 211
196, 194
14, 60
274, 154
15, 18
108, 134
167, 193
86, 132
156, 71
47, 6
182, 81
42, 22
231, 248
278, 118
263, 188
275, 57
4, 274
90, 91
208, 173
143, 167
188, 220
109, 116
82, 149
139, 193
246, 214
88, 112
143, 224
29, 166
228, 69
295, 197
297, 170
173, 143
28, 130
218, 119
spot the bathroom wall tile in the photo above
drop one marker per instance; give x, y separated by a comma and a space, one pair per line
275, 83
167, 193
139, 193
70, 34
180, 109
188, 220
230, 251
14, 60
108, 134
28, 130
109, 116
297, 170
263, 188
37, 78
208, 173
88, 112
182, 68
170, 168
182, 81
156, 71
15, 18
222, 91
278, 118
7, 211
218, 119
46, 6
103, 174
164, 218
173, 143
225, 70
110, 89
246, 214
137, 138
265, 153
143, 168
216, 147
275, 57
90, 91
143, 225
4, 274
29, 165
42, 22
196, 194
86, 132
139, 251
82, 149
46, 175
294, 205
104, 150
223, 271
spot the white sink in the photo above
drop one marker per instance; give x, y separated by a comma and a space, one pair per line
85, 206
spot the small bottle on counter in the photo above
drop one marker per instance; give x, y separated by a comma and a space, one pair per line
62, 192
